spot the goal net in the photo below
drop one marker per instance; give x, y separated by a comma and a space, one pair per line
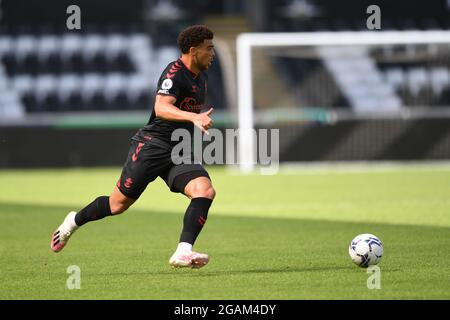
328, 76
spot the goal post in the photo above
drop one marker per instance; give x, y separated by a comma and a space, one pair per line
247, 41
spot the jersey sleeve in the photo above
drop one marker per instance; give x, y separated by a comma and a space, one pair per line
169, 83
168, 87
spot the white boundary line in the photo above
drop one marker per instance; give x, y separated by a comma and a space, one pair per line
362, 166
346, 167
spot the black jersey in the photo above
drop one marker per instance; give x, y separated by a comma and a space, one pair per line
189, 90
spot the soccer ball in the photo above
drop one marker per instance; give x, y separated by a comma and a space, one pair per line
365, 250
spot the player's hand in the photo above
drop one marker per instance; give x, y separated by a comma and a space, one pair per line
203, 121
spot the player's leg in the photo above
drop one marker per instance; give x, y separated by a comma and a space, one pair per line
104, 206
132, 183
201, 193
100, 208
197, 186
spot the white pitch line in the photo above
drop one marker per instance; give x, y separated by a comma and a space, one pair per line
361, 167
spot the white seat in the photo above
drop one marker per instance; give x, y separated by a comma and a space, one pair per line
10, 106
91, 84
139, 41
384, 90
365, 104
417, 79
47, 45
68, 84
24, 46
166, 55
70, 43
395, 77
6, 45
92, 45
4, 84
440, 79
22, 84
115, 44
350, 77
143, 56
393, 103
114, 84
136, 85
44, 85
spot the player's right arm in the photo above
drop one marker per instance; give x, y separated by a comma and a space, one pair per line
165, 109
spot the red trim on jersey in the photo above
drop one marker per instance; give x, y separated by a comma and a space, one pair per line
173, 69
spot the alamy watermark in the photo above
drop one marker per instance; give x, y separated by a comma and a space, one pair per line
74, 280
222, 147
374, 20
73, 22
374, 281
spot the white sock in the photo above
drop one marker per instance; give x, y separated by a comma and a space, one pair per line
184, 247
71, 221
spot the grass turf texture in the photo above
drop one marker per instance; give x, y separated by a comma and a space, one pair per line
269, 237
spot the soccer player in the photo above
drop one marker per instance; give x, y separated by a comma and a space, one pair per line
179, 100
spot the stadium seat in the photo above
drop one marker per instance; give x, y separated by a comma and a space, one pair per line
93, 44
395, 77
440, 79
166, 55
46, 46
135, 86
116, 44
417, 78
6, 45
68, 84
22, 84
45, 84
113, 85
100, 67
70, 43
90, 85
24, 46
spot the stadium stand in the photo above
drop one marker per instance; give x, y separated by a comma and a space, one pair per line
73, 72
369, 79
107, 65
51, 78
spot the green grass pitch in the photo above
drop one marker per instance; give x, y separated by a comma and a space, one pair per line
269, 237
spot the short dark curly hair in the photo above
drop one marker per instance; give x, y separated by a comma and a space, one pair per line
193, 36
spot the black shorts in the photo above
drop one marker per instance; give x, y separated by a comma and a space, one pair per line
151, 159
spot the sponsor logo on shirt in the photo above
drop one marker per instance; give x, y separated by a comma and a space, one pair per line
190, 104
